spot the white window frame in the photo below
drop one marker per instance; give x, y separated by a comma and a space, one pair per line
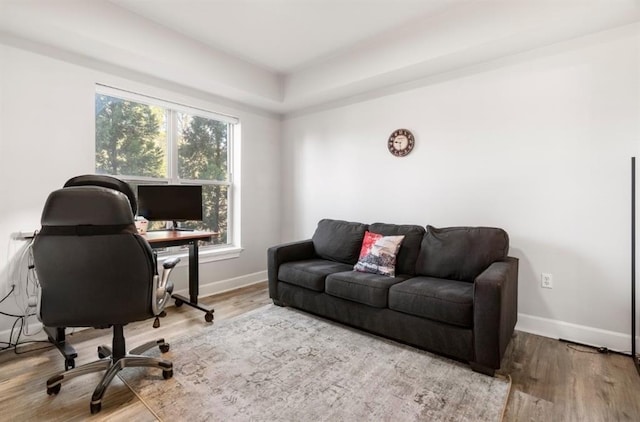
208, 253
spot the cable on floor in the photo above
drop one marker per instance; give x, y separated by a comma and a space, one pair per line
506, 400
141, 399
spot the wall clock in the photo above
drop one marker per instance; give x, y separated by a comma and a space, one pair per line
401, 142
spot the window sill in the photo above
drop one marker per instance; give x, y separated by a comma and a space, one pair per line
205, 255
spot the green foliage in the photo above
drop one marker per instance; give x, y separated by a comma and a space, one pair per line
202, 150
203, 155
129, 139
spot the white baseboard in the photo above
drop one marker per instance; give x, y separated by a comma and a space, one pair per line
552, 328
227, 285
205, 290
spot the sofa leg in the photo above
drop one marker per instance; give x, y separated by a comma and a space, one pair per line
482, 369
278, 303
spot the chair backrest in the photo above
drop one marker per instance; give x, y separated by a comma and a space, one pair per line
94, 269
105, 182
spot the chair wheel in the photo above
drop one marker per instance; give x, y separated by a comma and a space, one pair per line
69, 363
178, 303
164, 347
167, 374
208, 317
103, 352
95, 408
54, 390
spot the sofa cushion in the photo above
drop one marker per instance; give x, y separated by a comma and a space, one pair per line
408, 253
309, 273
368, 289
338, 240
438, 299
378, 254
460, 253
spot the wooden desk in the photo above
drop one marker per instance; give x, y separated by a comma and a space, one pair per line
167, 238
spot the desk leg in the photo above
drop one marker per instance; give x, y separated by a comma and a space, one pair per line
194, 280
56, 336
194, 273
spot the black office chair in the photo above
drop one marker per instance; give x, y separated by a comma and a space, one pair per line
96, 271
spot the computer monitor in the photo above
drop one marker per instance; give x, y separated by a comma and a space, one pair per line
170, 202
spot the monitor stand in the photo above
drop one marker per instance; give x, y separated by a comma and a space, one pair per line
175, 227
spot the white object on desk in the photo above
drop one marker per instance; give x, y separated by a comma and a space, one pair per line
141, 225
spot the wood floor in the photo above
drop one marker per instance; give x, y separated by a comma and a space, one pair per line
551, 380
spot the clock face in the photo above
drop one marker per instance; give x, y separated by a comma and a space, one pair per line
401, 142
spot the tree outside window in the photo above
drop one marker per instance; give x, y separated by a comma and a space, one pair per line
146, 143
203, 154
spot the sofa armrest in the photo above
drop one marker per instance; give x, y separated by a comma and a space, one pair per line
495, 311
278, 255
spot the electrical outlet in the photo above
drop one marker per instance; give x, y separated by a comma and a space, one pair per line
546, 281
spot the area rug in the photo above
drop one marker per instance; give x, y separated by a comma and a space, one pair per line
279, 364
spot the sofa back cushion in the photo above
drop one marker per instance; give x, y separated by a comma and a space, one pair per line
339, 240
410, 247
460, 253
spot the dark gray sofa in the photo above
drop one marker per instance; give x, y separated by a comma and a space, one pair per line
454, 293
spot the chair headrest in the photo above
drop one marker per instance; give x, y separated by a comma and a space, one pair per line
106, 182
87, 205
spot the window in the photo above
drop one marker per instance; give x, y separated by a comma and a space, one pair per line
143, 140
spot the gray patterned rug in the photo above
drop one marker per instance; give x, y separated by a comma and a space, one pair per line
279, 364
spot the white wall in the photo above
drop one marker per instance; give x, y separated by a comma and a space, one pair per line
538, 144
47, 136
103, 31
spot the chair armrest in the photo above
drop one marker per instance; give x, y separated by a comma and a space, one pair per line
495, 311
170, 263
162, 288
287, 252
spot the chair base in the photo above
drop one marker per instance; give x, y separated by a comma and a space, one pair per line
56, 335
112, 364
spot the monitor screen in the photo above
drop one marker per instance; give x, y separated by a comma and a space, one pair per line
170, 202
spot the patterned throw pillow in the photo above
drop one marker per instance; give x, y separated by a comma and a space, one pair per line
378, 254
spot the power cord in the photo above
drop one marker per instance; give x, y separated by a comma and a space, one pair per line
587, 348
13, 345
590, 351
8, 294
32, 289
19, 327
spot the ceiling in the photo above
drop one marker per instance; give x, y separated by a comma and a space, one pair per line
285, 35
288, 56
